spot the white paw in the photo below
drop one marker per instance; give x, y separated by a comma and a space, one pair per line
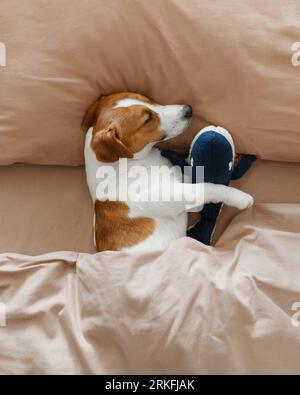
244, 201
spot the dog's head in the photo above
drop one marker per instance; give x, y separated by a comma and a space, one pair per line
127, 125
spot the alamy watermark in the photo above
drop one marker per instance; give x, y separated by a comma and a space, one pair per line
2, 314
296, 55
2, 54
137, 183
296, 316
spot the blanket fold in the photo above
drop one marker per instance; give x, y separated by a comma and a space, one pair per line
191, 309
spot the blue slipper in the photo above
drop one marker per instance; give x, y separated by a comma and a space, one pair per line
212, 148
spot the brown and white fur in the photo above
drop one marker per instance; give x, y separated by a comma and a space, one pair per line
129, 125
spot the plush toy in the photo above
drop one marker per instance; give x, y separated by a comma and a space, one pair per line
212, 148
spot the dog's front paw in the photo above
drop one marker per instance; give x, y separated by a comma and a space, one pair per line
244, 201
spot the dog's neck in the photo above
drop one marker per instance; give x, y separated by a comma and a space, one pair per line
144, 153
150, 156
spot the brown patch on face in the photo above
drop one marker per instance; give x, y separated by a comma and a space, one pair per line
114, 230
121, 132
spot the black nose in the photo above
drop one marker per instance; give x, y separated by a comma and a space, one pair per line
188, 111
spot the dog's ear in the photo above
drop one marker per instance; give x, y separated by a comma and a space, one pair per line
90, 116
108, 146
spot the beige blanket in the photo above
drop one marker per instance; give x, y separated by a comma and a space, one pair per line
191, 309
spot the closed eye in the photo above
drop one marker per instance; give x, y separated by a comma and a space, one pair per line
149, 117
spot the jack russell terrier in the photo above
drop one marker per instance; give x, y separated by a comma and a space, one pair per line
129, 125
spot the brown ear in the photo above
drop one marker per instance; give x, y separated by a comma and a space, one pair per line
90, 116
108, 147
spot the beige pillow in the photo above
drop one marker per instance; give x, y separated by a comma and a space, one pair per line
231, 60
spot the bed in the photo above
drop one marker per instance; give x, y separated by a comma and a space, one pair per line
229, 308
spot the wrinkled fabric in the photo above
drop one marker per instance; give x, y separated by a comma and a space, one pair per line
192, 309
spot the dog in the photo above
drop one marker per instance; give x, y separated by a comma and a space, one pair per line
129, 125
